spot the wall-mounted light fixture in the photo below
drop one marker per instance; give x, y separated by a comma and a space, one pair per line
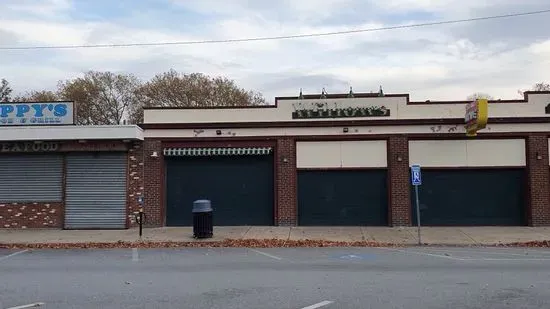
218, 132
285, 160
539, 157
399, 158
345, 130
154, 154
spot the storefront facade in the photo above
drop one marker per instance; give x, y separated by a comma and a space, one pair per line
342, 160
59, 175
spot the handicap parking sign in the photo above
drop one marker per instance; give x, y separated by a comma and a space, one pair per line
416, 175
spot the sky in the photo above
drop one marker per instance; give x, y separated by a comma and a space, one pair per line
440, 62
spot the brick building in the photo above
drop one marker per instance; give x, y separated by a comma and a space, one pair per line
344, 160
59, 175
335, 160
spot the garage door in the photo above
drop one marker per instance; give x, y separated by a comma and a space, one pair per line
472, 197
343, 197
96, 191
31, 178
238, 181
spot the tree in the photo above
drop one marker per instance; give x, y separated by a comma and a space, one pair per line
172, 89
5, 90
101, 97
37, 96
537, 87
479, 95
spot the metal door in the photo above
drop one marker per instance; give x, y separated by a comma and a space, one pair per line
96, 191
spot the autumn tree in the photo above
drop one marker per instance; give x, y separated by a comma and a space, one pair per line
479, 95
172, 89
38, 96
5, 90
101, 98
537, 87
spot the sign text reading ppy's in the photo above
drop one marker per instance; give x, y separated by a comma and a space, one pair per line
36, 113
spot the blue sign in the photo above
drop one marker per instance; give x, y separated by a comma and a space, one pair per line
36, 113
140, 199
416, 175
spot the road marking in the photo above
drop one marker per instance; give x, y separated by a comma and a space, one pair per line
479, 252
504, 259
135, 255
430, 254
27, 306
13, 254
319, 305
266, 254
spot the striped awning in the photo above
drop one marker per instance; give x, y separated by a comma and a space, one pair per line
234, 151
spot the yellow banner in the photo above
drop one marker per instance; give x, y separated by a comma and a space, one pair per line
477, 114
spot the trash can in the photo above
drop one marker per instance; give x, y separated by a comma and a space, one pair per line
203, 226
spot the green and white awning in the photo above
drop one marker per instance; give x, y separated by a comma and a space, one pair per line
234, 151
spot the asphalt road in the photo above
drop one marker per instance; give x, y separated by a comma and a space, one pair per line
412, 278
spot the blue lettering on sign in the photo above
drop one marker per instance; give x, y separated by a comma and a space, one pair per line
36, 113
416, 175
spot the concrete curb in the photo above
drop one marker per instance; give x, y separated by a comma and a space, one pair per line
247, 243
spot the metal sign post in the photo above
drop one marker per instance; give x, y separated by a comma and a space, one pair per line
416, 180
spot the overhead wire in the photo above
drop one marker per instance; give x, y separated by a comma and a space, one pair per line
282, 37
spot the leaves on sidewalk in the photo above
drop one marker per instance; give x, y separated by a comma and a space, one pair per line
245, 243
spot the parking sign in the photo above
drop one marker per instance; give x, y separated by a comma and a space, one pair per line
416, 175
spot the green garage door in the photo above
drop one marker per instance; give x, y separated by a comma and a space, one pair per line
342, 198
238, 181
472, 197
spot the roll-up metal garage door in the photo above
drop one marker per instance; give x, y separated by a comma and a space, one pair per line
96, 191
31, 178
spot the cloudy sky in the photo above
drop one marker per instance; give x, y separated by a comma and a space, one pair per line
446, 62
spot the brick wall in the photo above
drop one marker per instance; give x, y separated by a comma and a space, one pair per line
51, 214
135, 181
286, 182
399, 187
152, 180
31, 215
538, 180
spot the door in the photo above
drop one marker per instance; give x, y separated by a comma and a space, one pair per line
96, 191
472, 197
343, 197
240, 187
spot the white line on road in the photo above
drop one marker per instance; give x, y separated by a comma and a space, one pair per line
27, 306
266, 254
13, 254
135, 255
319, 305
430, 254
478, 252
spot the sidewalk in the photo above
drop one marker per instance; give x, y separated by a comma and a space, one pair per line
466, 236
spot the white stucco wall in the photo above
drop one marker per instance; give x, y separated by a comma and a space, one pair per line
341, 154
328, 131
399, 109
467, 153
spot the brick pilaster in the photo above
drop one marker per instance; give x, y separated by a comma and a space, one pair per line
153, 183
399, 187
135, 180
286, 182
538, 175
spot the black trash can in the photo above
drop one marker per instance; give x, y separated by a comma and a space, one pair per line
203, 225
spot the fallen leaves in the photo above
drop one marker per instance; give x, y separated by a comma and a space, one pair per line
244, 243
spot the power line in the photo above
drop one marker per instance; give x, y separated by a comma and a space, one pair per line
279, 37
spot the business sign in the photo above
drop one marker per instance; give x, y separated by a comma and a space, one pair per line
29, 147
36, 113
312, 110
476, 116
416, 175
